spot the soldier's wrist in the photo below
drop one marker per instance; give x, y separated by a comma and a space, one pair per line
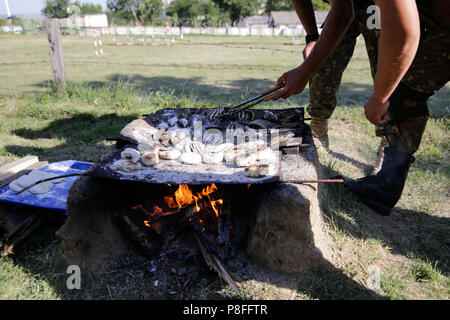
379, 97
311, 37
307, 68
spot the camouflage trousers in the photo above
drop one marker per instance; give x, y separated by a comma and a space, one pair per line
408, 110
324, 84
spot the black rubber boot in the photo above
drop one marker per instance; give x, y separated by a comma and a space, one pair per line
382, 191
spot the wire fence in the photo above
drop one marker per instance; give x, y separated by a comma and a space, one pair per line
30, 28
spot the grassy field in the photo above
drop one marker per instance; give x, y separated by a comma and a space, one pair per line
411, 248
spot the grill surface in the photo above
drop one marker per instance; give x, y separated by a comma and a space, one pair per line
173, 172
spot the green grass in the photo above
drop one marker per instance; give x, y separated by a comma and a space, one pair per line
33, 278
424, 271
411, 247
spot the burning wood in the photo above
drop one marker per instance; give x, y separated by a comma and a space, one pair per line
214, 262
196, 205
202, 214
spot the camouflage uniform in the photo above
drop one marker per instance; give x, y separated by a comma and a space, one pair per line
408, 112
429, 72
324, 84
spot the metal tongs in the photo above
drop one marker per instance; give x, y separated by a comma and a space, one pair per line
263, 97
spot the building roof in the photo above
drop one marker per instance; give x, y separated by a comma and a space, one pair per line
285, 17
290, 17
321, 16
257, 20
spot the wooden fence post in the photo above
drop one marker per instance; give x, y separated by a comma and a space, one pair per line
56, 53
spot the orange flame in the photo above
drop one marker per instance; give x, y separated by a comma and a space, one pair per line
215, 207
182, 198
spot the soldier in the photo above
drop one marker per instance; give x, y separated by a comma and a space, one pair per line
408, 110
403, 83
324, 84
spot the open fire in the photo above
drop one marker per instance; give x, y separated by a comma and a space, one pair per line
207, 214
200, 205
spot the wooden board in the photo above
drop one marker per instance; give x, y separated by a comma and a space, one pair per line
14, 167
10, 220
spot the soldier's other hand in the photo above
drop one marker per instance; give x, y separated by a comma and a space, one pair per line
308, 48
376, 111
295, 82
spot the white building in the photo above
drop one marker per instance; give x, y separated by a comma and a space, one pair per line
91, 21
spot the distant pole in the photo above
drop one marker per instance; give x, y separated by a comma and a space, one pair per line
98, 44
7, 8
56, 53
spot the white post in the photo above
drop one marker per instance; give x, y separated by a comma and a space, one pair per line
95, 45
100, 44
7, 8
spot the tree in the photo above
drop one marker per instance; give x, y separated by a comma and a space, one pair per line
239, 9
320, 5
278, 5
88, 8
152, 9
212, 13
56, 9
283, 5
188, 11
139, 10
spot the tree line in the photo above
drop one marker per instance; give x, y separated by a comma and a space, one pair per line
179, 12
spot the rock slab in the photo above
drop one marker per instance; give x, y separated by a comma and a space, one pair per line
288, 234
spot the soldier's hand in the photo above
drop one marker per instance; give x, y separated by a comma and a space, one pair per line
376, 111
308, 48
295, 82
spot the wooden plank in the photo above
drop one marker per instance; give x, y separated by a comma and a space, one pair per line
12, 215
214, 261
56, 53
5, 224
21, 233
26, 170
14, 167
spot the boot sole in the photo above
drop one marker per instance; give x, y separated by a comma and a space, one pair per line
375, 206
